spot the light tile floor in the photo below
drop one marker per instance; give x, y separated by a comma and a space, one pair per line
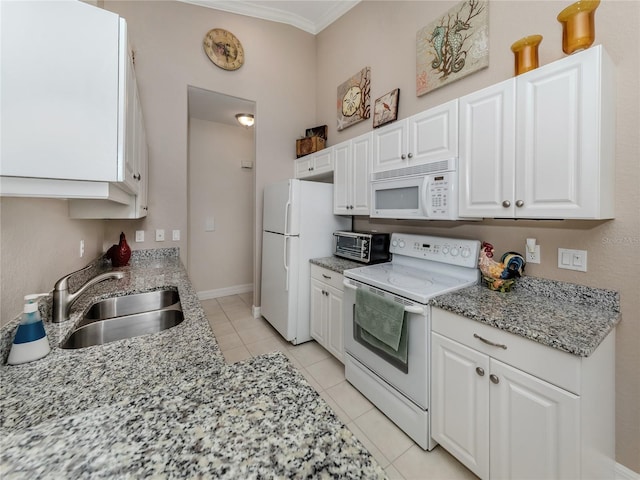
240, 336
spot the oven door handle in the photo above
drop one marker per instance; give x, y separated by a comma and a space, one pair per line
407, 308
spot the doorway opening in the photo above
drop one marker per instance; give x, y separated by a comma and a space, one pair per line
220, 197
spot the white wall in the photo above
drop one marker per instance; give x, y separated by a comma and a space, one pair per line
38, 245
221, 189
382, 35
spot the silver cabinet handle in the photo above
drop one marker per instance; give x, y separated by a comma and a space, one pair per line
326, 276
519, 203
506, 204
489, 342
494, 378
480, 371
403, 156
410, 155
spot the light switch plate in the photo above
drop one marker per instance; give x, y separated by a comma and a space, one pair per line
139, 235
175, 235
572, 259
159, 235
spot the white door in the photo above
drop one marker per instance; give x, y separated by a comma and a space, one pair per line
342, 179
360, 183
535, 427
389, 146
487, 152
279, 282
433, 134
460, 402
279, 209
558, 139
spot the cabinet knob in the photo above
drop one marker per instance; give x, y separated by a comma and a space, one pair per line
506, 204
410, 155
480, 371
145, 208
403, 156
519, 204
137, 176
494, 378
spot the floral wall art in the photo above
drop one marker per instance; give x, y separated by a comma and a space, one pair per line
452, 47
354, 104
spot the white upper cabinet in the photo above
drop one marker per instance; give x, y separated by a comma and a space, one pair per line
425, 137
553, 155
68, 112
351, 186
314, 165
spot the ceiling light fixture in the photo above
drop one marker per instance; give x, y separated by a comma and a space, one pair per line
245, 119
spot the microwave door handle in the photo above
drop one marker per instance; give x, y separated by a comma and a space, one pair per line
426, 199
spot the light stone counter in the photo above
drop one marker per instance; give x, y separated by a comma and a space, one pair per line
572, 318
165, 405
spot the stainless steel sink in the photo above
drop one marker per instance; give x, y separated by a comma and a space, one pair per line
104, 331
130, 304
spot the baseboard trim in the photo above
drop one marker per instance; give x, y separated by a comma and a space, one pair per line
225, 292
624, 473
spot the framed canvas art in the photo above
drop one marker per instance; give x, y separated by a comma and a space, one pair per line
354, 104
453, 46
385, 109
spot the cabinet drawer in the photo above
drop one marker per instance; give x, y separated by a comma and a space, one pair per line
327, 276
554, 366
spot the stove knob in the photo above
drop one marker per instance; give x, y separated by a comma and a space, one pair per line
454, 252
394, 243
466, 251
401, 243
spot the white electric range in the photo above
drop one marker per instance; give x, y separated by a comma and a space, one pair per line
422, 267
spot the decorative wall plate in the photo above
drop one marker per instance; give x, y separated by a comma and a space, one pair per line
224, 49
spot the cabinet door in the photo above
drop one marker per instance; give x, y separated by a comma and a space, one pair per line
433, 134
303, 166
60, 91
318, 311
460, 402
360, 171
558, 139
535, 427
129, 127
335, 324
389, 146
323, 161
487, 152
342, 179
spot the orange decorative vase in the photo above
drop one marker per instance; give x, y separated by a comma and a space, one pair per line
526, 53
578, 25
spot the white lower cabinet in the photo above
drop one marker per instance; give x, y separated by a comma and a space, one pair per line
519, 409
326, 310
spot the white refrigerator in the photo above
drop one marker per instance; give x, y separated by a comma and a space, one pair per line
297, 225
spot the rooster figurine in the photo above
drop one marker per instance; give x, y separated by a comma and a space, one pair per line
119, 254
498, 274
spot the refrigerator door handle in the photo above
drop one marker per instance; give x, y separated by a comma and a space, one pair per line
287, 209
286, 266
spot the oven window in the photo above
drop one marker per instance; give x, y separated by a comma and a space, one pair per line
403, 198
348, 245
397, 363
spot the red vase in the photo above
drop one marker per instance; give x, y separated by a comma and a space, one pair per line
119, 254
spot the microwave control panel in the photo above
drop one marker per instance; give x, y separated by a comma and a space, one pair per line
440, 195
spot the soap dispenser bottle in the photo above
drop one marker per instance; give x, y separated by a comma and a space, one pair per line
30, 342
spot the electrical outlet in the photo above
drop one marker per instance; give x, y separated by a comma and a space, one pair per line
533, 257
139, 235
175, 235
572, 259
159, 235
81, 248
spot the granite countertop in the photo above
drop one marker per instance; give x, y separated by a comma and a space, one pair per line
336, 264
165, 405
568, 317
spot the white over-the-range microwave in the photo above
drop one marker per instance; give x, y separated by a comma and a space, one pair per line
420, 192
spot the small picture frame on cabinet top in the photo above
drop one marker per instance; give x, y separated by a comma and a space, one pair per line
385, 109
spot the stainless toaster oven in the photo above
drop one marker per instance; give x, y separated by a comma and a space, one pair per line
365, 247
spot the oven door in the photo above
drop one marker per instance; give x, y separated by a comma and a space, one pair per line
411, 380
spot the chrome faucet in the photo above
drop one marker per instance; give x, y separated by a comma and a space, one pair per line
62, 299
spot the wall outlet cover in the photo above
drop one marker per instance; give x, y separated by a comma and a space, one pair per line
175, 235
159, 235
569, 259
139, 235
